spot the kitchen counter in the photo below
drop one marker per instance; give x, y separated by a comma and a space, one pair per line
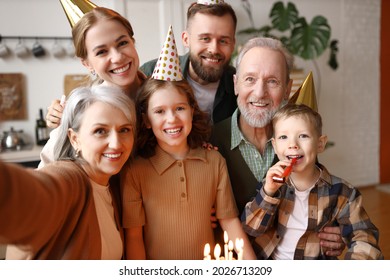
27, 154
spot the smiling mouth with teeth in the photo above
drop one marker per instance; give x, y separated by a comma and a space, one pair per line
121, 70
173, 131
112, 155
258, 104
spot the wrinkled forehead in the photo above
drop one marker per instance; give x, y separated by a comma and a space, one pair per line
263, 60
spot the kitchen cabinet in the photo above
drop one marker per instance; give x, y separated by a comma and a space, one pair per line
25, 157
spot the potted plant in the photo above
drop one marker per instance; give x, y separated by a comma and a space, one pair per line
303, 39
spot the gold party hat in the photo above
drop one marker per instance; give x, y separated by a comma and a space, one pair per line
209, 2
168, 66
75, 9
306, 94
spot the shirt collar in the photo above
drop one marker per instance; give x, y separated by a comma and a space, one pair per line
325, 179
161, 161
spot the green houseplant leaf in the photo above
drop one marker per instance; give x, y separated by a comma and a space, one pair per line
283, 18
309, 41
263, 31
300, 38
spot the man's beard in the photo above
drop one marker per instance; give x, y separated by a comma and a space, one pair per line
208, 74
257, 119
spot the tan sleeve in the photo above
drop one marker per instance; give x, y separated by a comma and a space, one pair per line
225, 202
132, 206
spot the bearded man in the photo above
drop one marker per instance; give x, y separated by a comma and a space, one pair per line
262, 85
210, 38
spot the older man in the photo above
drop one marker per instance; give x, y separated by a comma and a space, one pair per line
262, 85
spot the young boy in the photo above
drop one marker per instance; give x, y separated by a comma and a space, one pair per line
287, 215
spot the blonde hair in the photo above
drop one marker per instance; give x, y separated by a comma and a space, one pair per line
81, 28
302, 111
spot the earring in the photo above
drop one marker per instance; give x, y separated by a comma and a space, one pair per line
77, 153
93, 73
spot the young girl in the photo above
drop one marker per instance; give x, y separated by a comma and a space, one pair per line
169, 190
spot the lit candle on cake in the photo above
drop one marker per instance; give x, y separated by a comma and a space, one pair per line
239, 248
217, 251
230, 250
206, 252
226, 247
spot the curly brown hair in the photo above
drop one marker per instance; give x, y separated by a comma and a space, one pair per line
146, 141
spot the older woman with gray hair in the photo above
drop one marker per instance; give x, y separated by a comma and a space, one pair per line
68, 210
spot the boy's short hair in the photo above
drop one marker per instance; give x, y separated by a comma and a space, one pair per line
299, 110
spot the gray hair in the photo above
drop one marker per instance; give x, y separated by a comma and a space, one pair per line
79, 101
269, 43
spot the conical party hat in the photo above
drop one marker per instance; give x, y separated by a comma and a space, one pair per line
306, 94
75, 9
210, 2
168, 66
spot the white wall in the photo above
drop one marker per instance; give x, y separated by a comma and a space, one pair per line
348, 97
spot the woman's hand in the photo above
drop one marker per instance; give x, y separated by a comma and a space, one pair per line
54, 114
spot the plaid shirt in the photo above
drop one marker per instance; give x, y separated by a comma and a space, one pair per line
257, 163
332, 202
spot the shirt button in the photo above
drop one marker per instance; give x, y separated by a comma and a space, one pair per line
256, 155
183, 195
179, 164
181, 179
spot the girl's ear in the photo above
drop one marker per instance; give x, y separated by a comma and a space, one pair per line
322, 143
146, 121
73, 138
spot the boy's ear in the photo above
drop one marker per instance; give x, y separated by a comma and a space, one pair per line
322, 143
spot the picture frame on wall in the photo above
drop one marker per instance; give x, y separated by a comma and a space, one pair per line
12, 97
